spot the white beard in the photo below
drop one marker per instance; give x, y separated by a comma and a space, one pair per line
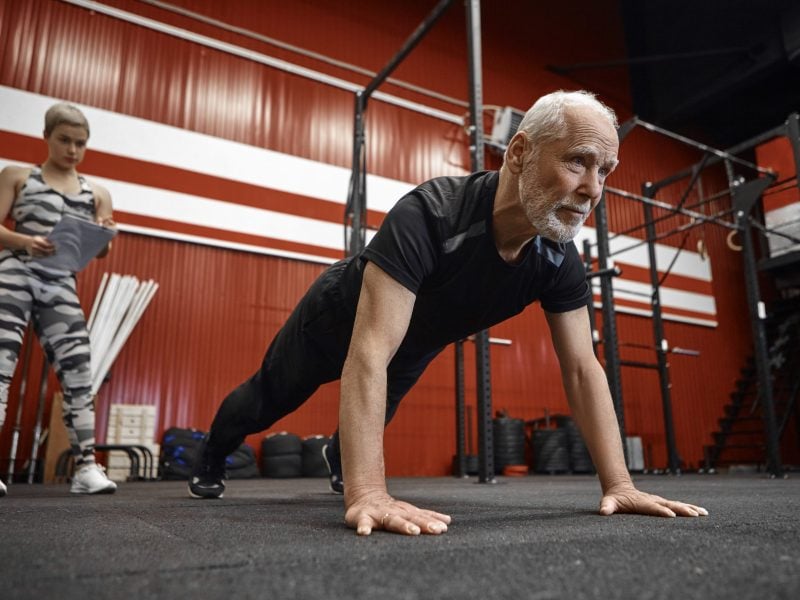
541, 211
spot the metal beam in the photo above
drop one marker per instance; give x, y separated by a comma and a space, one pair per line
356, 206
610, 338
476, 148
780, 130
745, 197
673, 461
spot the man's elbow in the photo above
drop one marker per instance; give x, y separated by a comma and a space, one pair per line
583, 372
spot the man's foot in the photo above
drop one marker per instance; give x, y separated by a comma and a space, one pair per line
2, 489
334, 464
207, 475
91, 479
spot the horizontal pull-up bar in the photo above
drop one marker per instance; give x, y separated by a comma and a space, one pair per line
610, 272
703, 202
769, 231
682, 228
638, 364
780, 130
673, 350
669, 207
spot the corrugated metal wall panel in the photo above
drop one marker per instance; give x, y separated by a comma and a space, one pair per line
209, 323
206, 329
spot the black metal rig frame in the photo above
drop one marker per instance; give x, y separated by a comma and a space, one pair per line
356, 212
744, 196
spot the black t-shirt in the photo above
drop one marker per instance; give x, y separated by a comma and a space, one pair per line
437, 241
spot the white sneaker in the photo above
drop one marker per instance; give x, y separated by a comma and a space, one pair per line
91, 479
3, 489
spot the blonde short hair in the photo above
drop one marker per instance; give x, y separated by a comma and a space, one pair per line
64, 113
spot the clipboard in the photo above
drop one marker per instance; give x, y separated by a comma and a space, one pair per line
76, 242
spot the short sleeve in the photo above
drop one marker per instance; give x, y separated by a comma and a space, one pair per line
570, 289
406, 244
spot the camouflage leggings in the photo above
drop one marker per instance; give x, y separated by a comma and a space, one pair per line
58, 321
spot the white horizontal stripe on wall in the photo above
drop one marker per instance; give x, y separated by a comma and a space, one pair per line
206, 241
689, 263
184, 208
140, 139
640, 292
640, 312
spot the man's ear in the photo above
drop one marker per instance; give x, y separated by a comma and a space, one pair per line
515, 153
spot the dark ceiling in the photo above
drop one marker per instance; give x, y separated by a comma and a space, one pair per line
718, 70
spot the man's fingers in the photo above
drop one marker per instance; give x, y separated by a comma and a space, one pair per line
406, 523
687, 510
658, 510
648, 504
364, 525
608, 506
427, 524
413, 524
438, 516
399, 524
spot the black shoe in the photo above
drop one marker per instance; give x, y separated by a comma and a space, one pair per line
334, 464
207, 475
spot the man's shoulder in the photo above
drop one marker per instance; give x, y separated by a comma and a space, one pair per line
449, 196
454, 184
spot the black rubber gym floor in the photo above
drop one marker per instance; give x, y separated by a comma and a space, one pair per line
531, 538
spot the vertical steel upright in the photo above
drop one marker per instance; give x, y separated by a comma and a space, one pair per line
587, 263
356, 207
793, 133
744, 198
673, 461
610, 339
460, 466
482, 367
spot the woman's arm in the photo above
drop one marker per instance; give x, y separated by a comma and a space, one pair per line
11, 181
103, 213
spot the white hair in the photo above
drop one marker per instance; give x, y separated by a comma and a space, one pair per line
545, 121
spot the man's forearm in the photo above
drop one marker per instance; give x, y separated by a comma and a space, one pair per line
593, 410
362, 411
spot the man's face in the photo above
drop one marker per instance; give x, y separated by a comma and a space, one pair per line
67, 145
562, 180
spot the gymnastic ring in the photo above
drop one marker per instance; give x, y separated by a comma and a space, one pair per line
731, 244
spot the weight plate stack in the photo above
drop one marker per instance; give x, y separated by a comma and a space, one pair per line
282, 455
509, 442
313, 464
580, 461
550, 451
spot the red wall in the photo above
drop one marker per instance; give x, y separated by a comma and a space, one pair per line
216, 309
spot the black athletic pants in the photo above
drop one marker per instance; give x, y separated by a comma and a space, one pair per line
309, 350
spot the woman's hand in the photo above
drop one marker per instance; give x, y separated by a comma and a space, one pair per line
38, 246
107, 222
